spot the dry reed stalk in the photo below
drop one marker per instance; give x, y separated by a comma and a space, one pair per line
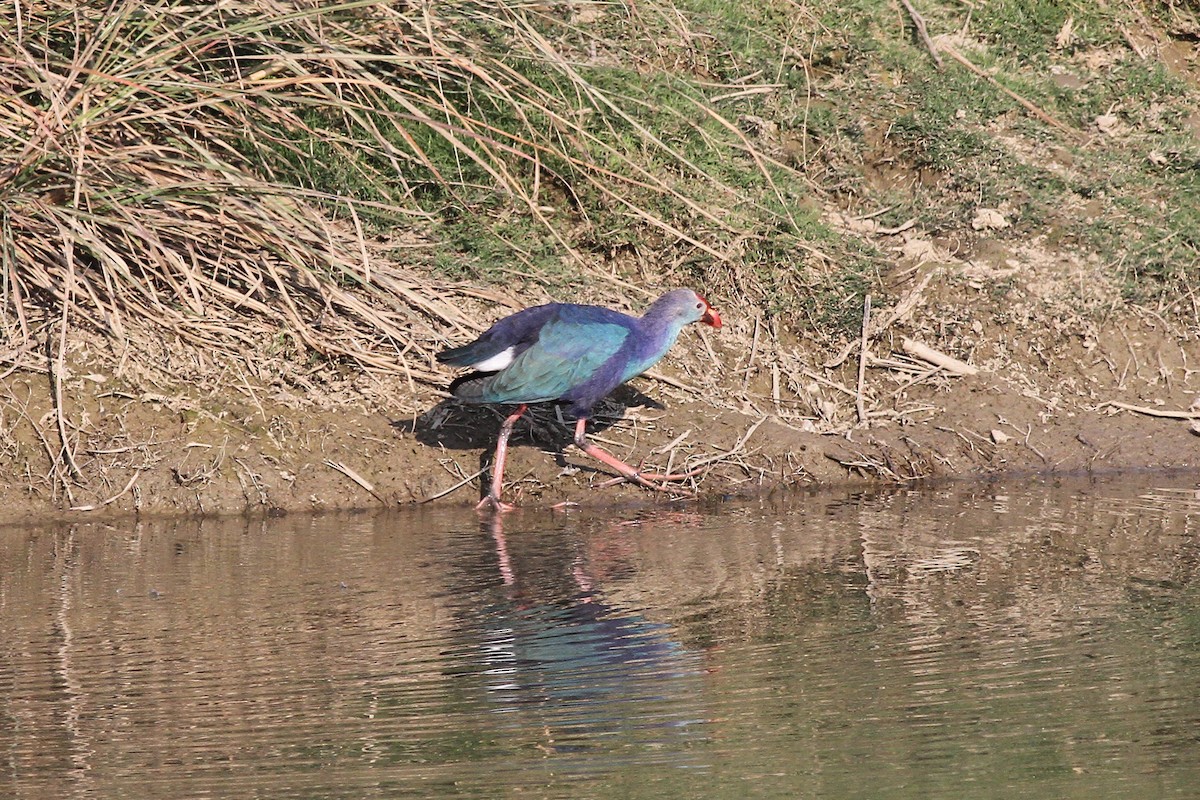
156, 179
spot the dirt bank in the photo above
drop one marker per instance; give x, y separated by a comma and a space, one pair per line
243, 317
1054, 393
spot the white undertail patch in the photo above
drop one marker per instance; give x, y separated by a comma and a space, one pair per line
496, 362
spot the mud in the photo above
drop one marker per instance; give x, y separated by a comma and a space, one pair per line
1042, 403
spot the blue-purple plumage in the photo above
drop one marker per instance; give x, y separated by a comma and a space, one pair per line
519, 330
568, 352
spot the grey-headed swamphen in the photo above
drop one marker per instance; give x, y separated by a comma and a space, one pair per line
574, 354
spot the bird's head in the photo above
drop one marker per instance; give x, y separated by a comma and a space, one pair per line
710, 315
687, 306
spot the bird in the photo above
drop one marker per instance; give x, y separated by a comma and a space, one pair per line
574, 354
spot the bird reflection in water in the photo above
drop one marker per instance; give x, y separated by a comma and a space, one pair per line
569, 665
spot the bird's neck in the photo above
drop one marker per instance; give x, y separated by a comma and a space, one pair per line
655, 336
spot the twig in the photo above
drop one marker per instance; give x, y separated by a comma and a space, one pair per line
898, 312
929, 373
862, 360
55, 472
808, 373
696, 467
354, 476
94, 506
1152, 412
15, 356
1028, 106
775, 395
753, 354
969, 443
673, 444
67, 454
254, 481
669, 381
919, 21
927, 353
453, 488
737, 447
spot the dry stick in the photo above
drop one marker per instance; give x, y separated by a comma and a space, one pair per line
737, 447
68, 290
697, 466
754, 154
354, 476
1028, 106
901, 310
823, 380
672, 445
669, 381
362, 243
453, 488
116, 496
22, 411
15, 357
927, 353
708, 346
862, 360
919, 21
753, 354
775, 383
929, 373
1153, 412
65, 453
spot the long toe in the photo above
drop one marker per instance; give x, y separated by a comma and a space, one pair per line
494, 504
678, 476
650, 482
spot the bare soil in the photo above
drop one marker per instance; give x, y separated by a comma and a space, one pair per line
1061, 363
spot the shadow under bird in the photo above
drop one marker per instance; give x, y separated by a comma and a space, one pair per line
574, 354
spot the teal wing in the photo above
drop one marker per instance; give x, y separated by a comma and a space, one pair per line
567, 354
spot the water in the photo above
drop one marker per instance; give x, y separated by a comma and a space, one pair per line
1019, 640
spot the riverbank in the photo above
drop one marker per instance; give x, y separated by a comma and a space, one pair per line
218, 442
955, 255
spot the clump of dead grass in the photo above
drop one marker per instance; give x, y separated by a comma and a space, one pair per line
229, 173
135, 188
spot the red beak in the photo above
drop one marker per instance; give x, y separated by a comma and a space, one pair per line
711, 317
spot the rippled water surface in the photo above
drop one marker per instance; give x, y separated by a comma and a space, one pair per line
1019, 640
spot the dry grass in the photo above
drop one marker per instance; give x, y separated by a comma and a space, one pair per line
159, 161
134, 193
264, 180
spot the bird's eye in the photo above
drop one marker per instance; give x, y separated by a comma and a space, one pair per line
699, 306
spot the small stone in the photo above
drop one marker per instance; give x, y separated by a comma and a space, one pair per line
988, 219
1108, 124
1000, 437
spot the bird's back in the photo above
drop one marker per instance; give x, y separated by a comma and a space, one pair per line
512, 335
544, 353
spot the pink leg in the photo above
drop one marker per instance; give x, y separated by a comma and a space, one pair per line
649, 479
506, 571
493, 495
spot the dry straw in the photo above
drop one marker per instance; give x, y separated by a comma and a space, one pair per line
154, 157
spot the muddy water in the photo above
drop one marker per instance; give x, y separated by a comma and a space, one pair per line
1020, 640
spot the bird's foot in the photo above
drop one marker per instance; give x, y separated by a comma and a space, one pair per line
659, 483
649, 480
676, 476
494, 504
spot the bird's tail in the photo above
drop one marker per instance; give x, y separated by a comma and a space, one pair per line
472, 387
463, 356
